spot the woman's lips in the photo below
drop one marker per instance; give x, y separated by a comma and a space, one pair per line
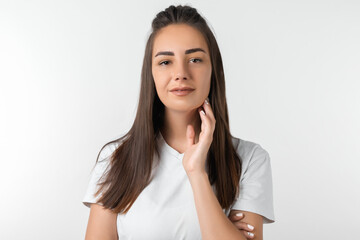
182, 92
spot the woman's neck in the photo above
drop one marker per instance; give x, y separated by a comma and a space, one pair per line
174, 129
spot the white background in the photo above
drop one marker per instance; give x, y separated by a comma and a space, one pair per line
70, 77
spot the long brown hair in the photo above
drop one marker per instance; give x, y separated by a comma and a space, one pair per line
132, 162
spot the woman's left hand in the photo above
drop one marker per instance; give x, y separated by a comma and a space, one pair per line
196, 153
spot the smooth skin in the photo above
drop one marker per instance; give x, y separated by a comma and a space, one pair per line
187, 130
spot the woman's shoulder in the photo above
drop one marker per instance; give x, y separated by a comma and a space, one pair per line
249, 151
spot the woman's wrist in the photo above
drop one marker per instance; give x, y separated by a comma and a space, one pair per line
196, 173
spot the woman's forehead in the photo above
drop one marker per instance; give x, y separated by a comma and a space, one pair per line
178, 38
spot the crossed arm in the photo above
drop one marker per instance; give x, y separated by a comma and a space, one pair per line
102, 224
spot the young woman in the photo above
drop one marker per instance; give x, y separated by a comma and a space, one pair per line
179, 173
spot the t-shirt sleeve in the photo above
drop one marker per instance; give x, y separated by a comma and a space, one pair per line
256, 192
100, 168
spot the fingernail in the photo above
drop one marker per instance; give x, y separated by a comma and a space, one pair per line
202, 111
239, 214
250, 234
251, 227
206, 101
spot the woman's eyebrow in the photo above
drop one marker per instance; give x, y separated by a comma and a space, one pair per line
191, 50
194, 50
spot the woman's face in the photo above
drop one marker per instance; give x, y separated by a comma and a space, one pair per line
180, 59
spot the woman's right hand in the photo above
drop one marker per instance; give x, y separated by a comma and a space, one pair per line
242, 226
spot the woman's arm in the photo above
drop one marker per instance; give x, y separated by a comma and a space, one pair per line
213, 222
101, 224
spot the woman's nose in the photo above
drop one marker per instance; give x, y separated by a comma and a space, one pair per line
181, 72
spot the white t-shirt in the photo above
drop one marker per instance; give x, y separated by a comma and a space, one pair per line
165, 209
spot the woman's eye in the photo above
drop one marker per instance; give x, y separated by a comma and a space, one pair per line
195, 60
164, 63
